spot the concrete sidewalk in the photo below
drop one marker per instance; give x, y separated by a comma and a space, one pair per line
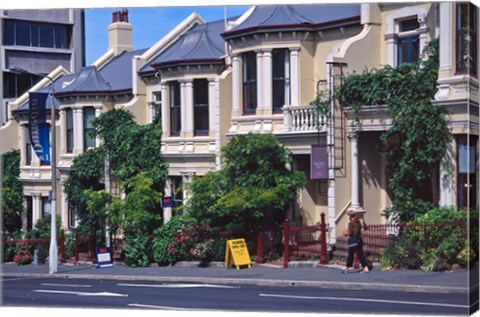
328, 276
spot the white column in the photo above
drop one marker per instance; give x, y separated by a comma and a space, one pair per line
267, 80
36, 208
213, 111
183, 106
78, 130
188, 113
98, 112
236, 86
391, 47
446, 43
187, 179
23, 146
63, 132
355, 205
151, 111
260, 83
63, 205
447, 179
25, 215
295, 76
165, 111
167, 212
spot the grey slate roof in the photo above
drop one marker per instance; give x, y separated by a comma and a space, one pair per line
118, 73
58, 83
202, 44
301, 15
113, 77
87, 80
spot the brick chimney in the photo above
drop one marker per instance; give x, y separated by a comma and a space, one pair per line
120, 32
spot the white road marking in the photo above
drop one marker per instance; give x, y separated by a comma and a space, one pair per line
81, 293
64, 285
20, 278
365, 300
167, 307
177, 285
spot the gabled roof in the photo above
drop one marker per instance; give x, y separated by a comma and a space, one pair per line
87, 80
114, 76
290, 16
202, 44
58, 83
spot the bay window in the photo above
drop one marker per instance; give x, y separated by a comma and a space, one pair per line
69, 115
200, 106
88, 116
408, 43
466, 38
175, 110
249, 82
280, 79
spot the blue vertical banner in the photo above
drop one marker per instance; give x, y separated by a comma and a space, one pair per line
38, 127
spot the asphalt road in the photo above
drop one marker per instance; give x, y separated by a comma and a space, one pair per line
80, 293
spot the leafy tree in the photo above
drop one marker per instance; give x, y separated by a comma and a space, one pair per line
137, 168
86, 172
131, 148
252, 189
419, 136
12, 192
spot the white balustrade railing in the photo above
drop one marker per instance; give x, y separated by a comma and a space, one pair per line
302, 118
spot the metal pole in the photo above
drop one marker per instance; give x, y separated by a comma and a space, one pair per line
53, 257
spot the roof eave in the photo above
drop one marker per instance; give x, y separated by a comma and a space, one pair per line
189, 62
289, 27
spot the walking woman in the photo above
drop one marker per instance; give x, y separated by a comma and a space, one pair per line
355, 242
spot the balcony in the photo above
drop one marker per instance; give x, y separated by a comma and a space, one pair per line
302, 119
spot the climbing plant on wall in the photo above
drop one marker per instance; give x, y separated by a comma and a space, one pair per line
12, 191
418, 137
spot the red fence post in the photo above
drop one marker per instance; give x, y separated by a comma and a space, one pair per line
323, 239
76, 248
286, 243
62, 246
259, 258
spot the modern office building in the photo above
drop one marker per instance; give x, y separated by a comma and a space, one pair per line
38, 41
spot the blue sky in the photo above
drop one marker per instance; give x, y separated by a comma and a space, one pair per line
149, 24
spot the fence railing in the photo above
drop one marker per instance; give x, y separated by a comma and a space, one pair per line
84, 246
299, 242
376, 238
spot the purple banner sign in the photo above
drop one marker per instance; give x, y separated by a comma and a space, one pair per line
319, 162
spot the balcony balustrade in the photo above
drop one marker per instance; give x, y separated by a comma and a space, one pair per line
302, 119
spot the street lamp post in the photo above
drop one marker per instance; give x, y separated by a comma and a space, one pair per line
53, 256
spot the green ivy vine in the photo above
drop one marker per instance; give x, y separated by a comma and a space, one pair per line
418, 137
322, 107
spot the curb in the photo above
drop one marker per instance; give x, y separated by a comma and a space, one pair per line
258, 282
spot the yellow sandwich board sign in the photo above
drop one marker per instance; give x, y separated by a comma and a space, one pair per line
236, 253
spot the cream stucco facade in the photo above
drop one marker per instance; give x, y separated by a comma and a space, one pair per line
313, 60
